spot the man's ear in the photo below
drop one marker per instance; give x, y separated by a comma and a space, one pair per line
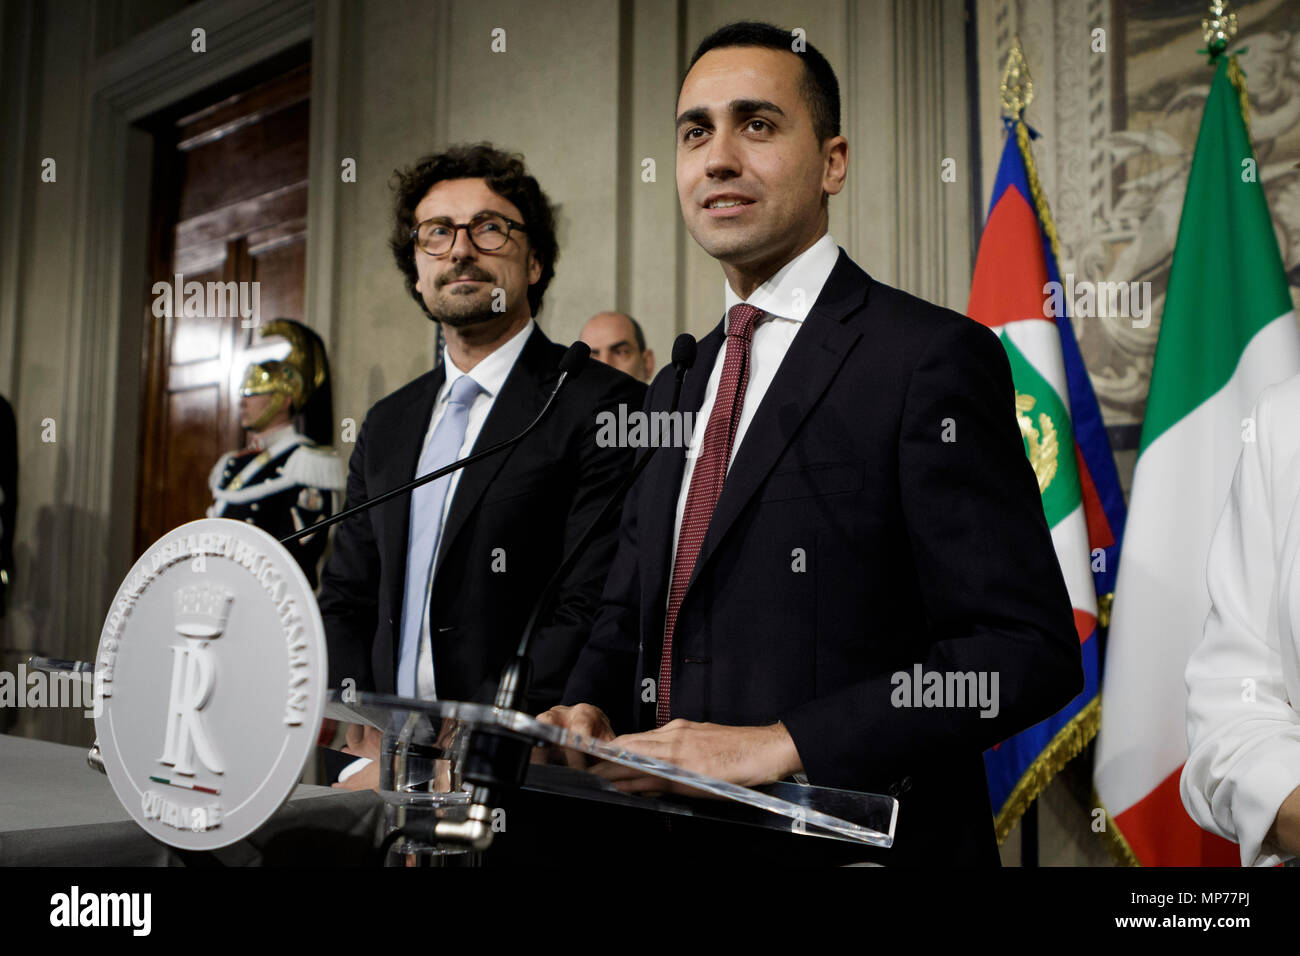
648, 357
837, 165
534, 267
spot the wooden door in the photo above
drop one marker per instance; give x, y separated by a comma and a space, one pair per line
230, 205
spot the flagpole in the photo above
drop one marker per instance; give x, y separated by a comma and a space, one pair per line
1029, 835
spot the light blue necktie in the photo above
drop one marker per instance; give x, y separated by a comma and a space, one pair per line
426, 524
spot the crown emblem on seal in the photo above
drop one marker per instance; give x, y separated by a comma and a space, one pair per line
201, 610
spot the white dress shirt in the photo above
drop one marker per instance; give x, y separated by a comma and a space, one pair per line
787, 298
1243, 679
491, 374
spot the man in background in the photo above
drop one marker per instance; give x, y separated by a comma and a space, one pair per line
617, 339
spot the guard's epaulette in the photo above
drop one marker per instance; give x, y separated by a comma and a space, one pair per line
316, 467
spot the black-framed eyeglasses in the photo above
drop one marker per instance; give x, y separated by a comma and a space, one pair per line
488, 231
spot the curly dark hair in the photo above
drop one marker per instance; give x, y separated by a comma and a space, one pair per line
505, 175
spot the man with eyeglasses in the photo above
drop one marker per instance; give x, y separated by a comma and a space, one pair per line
427, 595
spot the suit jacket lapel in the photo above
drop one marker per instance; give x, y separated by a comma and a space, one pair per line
520, 399
814, 357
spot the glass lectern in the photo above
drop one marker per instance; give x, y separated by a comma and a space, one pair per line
431, 817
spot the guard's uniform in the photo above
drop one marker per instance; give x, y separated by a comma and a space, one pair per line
286, 486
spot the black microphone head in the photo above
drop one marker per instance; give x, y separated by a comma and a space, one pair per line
684, 350
575, 360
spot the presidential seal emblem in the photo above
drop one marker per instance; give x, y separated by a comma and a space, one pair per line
1040, 443
210, 683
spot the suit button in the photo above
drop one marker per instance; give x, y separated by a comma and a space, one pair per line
907, 784
253, 506
248, 520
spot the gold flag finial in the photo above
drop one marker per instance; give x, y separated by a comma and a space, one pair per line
1017, 87
1219, 27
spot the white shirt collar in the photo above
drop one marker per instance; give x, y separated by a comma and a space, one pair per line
491, 373
791, 292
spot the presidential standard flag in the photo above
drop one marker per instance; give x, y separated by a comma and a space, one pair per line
1227, 332
1016, 291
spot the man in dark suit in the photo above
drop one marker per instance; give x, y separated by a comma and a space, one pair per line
860, 503
428, 594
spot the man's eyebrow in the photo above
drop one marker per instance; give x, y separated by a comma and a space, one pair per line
481, 212
696, 115
755, 106
700, 115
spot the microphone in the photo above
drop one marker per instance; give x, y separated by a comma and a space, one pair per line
571, 365
512, 679
685, 349
495, 761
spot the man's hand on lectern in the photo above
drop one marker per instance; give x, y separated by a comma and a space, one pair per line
579, 719
748, 756
363, 741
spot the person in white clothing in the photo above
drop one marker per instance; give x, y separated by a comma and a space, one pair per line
1242, 776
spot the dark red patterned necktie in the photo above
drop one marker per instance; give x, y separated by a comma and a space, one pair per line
706, 481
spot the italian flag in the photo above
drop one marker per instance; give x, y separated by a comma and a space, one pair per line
1227, 332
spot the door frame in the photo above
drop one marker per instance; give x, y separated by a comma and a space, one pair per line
143, 76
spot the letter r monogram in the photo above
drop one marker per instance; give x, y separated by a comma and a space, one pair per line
192, 680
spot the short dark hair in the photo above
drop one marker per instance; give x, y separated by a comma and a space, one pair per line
505, 175
820, 87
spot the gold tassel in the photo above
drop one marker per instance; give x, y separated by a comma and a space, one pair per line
1104, 604
1119, 847
1238, 80
1064, 747
1036, 187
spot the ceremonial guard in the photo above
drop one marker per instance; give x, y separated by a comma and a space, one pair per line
288, 477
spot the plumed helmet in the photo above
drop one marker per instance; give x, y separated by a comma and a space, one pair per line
298, 375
